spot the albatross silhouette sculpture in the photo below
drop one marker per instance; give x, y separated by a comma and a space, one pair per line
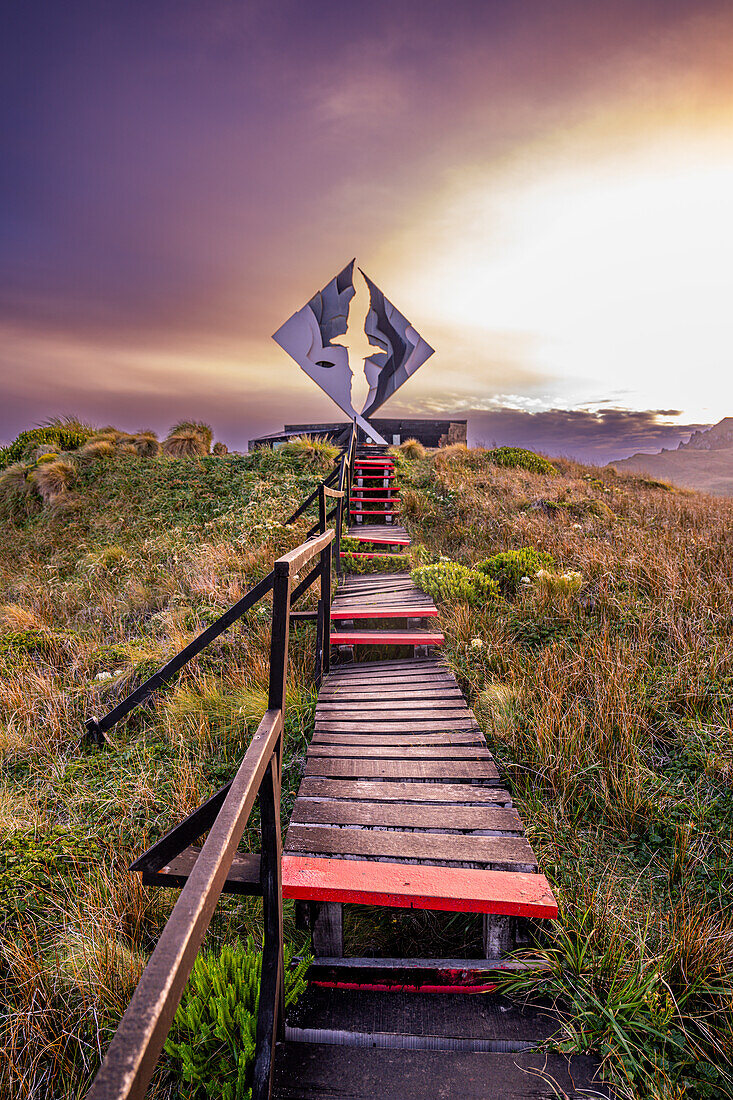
307, 337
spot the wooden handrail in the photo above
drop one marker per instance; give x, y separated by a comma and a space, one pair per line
134, 1051
135, 1048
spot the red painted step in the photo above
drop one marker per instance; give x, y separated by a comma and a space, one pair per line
416, 886
374, 500
361, 554
384, 612
386, 637
372, 512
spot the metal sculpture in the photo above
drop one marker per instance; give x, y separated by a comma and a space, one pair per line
307, 337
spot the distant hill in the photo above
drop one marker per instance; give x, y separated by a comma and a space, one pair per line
705, 462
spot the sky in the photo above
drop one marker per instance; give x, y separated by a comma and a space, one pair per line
543, 188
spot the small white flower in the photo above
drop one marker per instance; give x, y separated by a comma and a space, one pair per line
577, 526
103, 676
526, 580
477, 643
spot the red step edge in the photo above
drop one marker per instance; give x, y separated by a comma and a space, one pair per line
384, 613
382, 987
371, 512
386, 637
360, 554
417, 886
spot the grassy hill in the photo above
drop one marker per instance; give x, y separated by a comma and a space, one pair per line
605, 698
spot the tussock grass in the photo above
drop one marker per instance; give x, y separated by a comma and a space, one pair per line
604, 687
155, 550
605, 701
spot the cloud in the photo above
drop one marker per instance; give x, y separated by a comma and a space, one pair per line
597, 437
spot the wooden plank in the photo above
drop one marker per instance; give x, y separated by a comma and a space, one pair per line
404, 709
383, 611
397, 692
243, 877
390, 675
400, 752
465, 794
461, 738
404, 712
416, 886
497, 853
405, 816
347, 722
439, 770
403, 666
323, 1071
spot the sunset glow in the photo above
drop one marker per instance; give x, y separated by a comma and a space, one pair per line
544, 189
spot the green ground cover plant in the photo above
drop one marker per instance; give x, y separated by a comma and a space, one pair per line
510, 567
450, 581
519, 459
211, 1046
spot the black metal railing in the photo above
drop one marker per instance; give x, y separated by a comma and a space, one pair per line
337, 485
204, 874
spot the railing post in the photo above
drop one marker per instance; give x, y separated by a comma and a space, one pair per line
280, 637
271, 1009
318, 668
321, 509
324, 606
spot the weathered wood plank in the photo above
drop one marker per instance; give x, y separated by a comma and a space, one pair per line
319, 1071
496, 853
346, 695
346, 722
404, 711
403, 769
460, 738
400, 752
404, 816
416, 793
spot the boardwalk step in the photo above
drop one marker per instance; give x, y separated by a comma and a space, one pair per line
316, 1071
417, 1021
386, 637
383, 612
417, 886
360, 554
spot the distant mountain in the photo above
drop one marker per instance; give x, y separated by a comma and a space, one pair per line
705, 462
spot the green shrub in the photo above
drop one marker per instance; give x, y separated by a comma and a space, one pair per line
451, 581
68, 437
517, 457
212, 1041
27, 641
509, 567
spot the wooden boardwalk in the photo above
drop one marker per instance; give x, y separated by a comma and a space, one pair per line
401, 805
398, 774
